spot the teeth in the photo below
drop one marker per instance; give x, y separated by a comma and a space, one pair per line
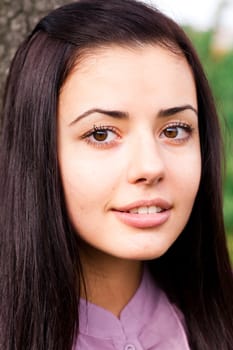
146, 210
142, 210
134, 211
152, 210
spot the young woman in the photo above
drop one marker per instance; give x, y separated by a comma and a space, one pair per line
112, 233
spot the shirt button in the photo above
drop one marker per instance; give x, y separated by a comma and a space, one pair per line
129, 347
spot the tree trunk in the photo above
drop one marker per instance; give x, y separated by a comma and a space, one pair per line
17, 19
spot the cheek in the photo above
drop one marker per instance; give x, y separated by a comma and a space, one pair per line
87, 183
185, 173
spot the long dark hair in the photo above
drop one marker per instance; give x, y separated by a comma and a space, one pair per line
39, 262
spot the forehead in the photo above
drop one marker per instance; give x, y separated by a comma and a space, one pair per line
98, 60
121, 73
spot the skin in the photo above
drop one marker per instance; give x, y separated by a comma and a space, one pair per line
148, 153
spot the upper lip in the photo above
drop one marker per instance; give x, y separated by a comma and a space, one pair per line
158, 202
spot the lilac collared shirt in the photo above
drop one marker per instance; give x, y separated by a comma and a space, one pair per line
148, 322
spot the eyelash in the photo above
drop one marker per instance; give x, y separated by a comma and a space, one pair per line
179, 125
103, 128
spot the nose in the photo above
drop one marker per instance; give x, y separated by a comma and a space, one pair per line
146, 164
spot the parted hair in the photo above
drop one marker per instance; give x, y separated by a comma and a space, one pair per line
40, 269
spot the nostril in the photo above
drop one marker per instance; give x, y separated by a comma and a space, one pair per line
142, 179
149, 180
145, 172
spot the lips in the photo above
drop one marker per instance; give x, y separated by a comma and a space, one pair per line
156, 205
144, 213
146, 210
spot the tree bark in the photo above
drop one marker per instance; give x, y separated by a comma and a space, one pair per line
17, 19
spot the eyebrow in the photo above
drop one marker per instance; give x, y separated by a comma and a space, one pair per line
124, 115
174, 110
113, 114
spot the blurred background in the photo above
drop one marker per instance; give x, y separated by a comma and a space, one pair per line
209, 24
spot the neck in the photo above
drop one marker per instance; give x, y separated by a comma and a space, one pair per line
109, 282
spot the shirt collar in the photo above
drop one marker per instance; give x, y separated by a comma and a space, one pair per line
148, 315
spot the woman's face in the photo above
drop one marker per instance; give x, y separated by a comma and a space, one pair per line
129, 149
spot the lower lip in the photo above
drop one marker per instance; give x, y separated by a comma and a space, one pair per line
143, 220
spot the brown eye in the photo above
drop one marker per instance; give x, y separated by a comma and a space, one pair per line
177, 132
171, 132
100, 135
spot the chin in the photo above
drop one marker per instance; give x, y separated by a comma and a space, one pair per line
149, 255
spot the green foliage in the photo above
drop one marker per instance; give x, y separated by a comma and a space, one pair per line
219, 70
230, 245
